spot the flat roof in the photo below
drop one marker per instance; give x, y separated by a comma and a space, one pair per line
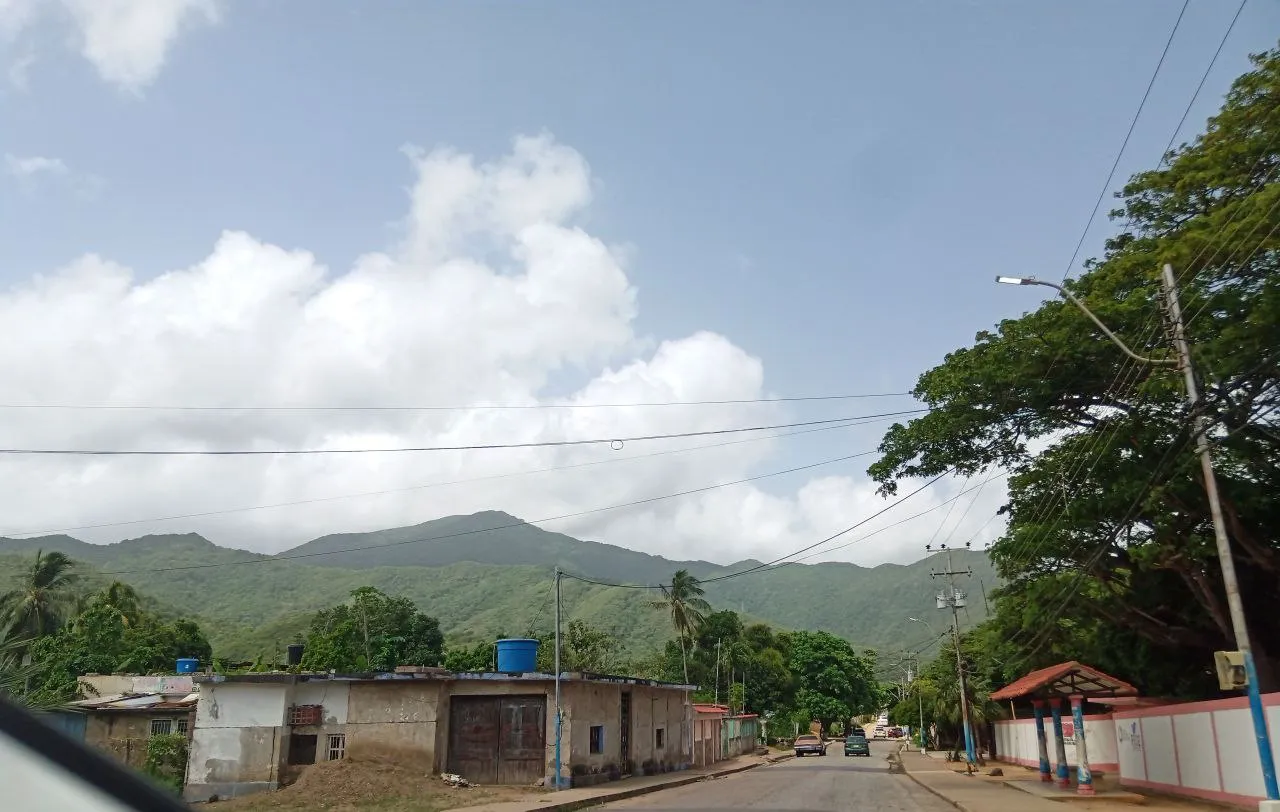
439, 675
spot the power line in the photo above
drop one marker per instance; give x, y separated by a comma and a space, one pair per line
616, 443
521, 523
1106, 185
472, 407
768, 564
439, 484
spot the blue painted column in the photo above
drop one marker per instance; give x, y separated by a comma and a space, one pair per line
1060, 744
1084, 777
1038, 706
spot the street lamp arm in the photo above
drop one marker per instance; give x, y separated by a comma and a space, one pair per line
1115, 339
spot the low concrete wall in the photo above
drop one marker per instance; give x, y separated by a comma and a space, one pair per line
1201, 750
1016, 742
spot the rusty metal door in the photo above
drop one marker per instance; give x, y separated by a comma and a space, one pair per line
522, 744
624, 734
473, 738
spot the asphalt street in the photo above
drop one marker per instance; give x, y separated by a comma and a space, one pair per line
831, 783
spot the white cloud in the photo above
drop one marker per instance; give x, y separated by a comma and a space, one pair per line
35, 168
428, 322
126, 41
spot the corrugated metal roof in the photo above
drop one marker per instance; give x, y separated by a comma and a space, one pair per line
135, 702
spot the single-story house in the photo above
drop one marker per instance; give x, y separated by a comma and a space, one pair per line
719, 735
252, 731
121, 722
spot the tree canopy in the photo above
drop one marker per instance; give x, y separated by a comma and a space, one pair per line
372, 632
1109, 552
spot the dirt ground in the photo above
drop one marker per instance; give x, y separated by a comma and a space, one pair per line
368, 784
1152, 802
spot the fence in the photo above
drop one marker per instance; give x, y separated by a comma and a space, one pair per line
1016, 741
1200, 750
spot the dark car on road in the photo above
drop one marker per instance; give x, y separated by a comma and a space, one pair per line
856, 745
810, 745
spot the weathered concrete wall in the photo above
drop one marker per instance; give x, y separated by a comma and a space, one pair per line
331, 695
239, 743
652, 709
107, 684
123, 735
395, 718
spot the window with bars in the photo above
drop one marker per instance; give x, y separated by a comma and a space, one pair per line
337, 746
597, 739
182, 725
161, 727
659, 738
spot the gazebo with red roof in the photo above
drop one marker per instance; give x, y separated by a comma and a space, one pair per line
1075, 682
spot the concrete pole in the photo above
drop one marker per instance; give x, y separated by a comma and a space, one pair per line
1041, 744
1225, 559
1084, 776
559, 714
1060, 744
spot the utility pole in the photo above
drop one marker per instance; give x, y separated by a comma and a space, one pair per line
920, 699
955, 599
716, 701
1235, 605
559, 721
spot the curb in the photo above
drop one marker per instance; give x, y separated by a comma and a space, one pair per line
635, 792
896, 756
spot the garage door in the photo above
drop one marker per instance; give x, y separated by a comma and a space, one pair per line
498, 740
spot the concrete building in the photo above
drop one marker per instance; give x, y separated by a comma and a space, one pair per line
253, 732
125, 711
718, 736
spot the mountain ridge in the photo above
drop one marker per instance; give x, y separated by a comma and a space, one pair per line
489, 573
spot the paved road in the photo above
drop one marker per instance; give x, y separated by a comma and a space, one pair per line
832, 783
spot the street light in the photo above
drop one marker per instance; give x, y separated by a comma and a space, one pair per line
1226, 561
1070, 297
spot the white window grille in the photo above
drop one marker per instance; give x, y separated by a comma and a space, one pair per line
161, 727
337, 746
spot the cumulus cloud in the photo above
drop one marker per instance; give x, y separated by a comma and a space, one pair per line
493, 295
126, 41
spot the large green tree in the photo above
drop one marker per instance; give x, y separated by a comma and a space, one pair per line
102, 640
833, 682
1109, 553
372, 632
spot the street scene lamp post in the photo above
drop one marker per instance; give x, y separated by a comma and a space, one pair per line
1201, 424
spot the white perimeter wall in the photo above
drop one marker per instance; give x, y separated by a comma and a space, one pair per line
1016, 742
1200, 749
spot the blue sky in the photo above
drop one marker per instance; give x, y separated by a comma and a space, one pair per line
830, 185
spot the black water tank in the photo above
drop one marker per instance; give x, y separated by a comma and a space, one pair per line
293, 654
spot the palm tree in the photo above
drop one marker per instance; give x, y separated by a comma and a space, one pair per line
42, 600
683, 597
124, 600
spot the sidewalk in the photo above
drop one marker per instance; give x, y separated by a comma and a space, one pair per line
568, 800
985, 793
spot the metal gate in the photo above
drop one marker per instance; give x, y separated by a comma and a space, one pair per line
498, 740
624, 735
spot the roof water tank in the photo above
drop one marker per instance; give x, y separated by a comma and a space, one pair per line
517, 655
188, 665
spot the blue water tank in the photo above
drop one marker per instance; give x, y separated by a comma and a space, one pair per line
188, 665
517, 655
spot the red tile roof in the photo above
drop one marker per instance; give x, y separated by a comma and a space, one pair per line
1065, 679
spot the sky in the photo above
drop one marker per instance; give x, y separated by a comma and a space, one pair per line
232, 225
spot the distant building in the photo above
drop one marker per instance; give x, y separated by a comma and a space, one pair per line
253, 732
718, 736
126, 711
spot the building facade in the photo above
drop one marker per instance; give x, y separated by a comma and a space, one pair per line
124, 712
253, 732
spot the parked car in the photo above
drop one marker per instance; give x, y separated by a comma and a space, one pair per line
895, 733
856, 744
810, 745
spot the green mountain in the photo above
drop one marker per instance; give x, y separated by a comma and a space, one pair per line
489, 573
